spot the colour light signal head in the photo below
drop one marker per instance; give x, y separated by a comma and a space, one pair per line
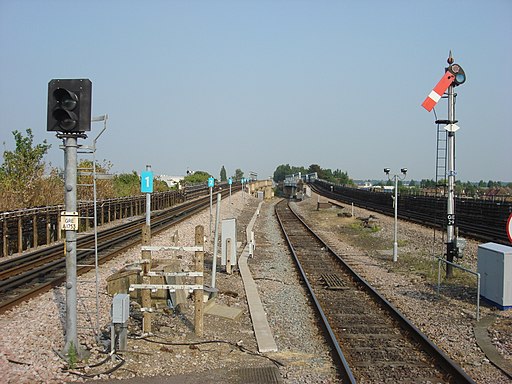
69, 105
458, 72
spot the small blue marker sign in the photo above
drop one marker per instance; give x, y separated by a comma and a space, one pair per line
230, 181
146, 182
211, 182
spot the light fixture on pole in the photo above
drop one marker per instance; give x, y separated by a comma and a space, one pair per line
395, 205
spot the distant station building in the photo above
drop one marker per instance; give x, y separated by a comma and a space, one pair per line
171, 181
295, 185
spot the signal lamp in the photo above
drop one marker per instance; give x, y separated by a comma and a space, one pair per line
69, 105
458, 72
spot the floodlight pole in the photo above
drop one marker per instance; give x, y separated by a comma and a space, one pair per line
395, 206
395, 236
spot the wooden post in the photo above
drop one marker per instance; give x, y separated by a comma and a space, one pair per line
20, 235
48, 228
35, 240
86, 214
146, 293
198, 293
228, 256
6, 238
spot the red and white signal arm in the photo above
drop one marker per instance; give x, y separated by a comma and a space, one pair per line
509, 228
436, 94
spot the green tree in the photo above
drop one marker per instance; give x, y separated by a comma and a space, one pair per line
196, 178
223, 176
316, 168
238, 174
281, 172
22, 172
127, 184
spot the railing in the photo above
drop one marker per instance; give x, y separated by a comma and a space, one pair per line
24, 229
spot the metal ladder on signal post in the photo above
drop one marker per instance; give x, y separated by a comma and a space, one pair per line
84, 300
441, 173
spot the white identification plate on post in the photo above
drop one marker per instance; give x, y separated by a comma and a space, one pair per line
69, 221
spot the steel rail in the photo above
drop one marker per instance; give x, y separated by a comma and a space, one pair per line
467, 226
346, 372
456, 374
53, 273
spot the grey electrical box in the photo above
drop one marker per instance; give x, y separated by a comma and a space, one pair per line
120, 308
495, 268
228, 232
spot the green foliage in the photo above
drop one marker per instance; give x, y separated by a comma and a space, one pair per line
22, 172
338, 176
72, 356
223, 176
127, 184
281, 172
425, 183
238, 175
196, 178
284, 170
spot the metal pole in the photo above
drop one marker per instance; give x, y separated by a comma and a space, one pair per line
395, 239
148, 202
215, 241
211, 204
450, 209
96, 264
70, 157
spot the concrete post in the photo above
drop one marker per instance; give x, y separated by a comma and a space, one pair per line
146, 267
216, 241
198, 293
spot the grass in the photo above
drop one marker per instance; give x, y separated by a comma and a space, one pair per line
72, 356
427, 268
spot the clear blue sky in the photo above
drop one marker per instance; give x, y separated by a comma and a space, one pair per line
255, 84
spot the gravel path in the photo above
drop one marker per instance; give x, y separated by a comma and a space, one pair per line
32, 332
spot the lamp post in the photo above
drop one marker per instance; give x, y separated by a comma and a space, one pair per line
395, 205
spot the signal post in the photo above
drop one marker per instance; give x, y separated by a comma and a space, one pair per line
454, 76
69, 114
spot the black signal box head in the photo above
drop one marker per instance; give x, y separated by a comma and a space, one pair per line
69, 105
458, 72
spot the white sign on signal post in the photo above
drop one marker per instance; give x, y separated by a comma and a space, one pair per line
69, 221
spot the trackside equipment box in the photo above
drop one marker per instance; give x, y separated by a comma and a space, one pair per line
495, 268
121, 308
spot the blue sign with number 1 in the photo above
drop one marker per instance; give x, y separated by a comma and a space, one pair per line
146, 182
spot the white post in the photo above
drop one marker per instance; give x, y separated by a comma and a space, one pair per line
395, 238
215, 241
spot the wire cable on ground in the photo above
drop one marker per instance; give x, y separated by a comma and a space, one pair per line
233, 344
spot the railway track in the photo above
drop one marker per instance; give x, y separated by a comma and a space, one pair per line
480, 222
32, 273
372, 341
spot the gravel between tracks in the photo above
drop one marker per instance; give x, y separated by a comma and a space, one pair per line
34, 330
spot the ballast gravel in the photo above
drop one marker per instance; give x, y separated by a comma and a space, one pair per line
32, 334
